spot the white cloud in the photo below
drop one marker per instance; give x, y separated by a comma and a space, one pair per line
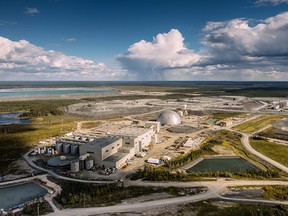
213, 25
70, 39
270, 2
165, 51
237, 41
21, 59
238, 49
31, 11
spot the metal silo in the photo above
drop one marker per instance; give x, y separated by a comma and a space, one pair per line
66, 148
59, 147
89, 163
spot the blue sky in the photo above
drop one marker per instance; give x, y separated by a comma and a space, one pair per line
98, 34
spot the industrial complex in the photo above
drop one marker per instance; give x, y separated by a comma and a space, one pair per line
112, 149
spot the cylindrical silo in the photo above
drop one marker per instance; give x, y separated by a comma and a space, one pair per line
89, 163
74, 149
66, 148
75, 166
59, 147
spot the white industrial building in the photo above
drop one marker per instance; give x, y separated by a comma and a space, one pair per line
136, 137
117, 149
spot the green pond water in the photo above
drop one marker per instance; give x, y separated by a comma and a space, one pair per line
222, 165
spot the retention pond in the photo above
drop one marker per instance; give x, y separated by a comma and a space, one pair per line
222, 164
14, 196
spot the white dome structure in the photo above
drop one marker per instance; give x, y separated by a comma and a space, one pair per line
169, 117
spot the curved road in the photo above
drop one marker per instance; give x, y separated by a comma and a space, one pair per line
215, 189
246, 144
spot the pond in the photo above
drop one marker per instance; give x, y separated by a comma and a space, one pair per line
225, 164
13, 196
13, 118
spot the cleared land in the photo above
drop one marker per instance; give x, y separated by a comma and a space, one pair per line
220, 116
274, 151
257, 124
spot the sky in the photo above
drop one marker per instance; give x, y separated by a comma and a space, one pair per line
245, 40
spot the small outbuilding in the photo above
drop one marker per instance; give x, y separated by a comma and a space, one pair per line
153, 161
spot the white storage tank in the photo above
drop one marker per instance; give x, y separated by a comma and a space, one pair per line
42, 151
66, 148
75, 166
74, 149
59, 147
89, 163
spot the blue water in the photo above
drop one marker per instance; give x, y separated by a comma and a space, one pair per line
21, 92
11, 197
12, 118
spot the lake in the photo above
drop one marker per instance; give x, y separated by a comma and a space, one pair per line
13, 196
13, 118
51, 91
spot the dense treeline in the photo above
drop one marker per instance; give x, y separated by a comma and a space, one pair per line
77, 194
32, 209
164, 174
36, 108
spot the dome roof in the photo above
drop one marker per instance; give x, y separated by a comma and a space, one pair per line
169, 117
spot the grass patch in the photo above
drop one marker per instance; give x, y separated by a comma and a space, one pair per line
274, 151
90, 124
275, 192
257, 124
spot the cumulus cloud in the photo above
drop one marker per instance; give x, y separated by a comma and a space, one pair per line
24, 59
242, 49
270, 2
165, 51
31, 11
237, 41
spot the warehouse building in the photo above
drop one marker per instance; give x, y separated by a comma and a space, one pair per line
117, 149
111, 150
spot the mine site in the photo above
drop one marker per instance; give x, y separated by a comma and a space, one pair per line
125, 136
212, 146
